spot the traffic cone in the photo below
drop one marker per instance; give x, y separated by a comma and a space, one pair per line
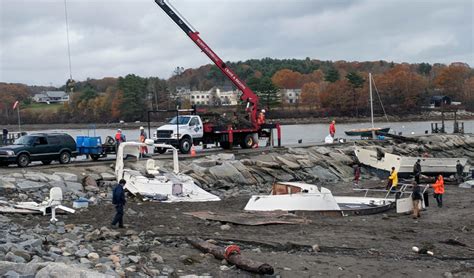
193, 151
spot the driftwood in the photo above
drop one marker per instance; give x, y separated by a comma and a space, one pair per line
235, 259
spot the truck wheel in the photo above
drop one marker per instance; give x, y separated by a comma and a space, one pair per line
160, 150
95, 157
185, 145
46, 162
247, 142
23, 160
225, 145
64, 157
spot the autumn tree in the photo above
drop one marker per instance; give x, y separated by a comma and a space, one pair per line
451, 80
287, 79
310, 94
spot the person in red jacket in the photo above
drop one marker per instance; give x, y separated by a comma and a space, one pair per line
438, 187
332, 128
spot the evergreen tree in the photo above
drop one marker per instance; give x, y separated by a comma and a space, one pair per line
355, 79
133, 105
332, 75
266, 91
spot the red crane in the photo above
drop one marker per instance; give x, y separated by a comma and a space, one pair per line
247, 94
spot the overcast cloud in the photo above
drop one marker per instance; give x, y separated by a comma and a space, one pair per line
118, 37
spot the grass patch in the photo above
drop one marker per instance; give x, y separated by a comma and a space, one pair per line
38, 107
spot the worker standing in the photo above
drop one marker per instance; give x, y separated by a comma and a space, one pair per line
392, 179
459, 171
356, 168
332, 128
438, 188
119, 138
416, 196
142, 138
417, 170
5, 136
261, 117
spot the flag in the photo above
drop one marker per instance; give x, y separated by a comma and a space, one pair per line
15, 104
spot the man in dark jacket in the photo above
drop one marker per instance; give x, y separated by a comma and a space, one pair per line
459, 171
417, 197
417, 171
118, 199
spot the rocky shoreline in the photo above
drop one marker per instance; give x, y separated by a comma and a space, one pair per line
82, 245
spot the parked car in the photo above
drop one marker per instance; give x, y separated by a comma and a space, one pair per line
44, 147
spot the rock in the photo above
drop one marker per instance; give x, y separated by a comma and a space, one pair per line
468, 184
11, 257
156, 258
315, 248
84, 261
287, 268
22, 253
67, 176
93, 256
384, 216
447, 274
321, 173
11, 274
82, 253
224, 268
29, 185
107, 177
31, 243
114, 258
131, 268
35, 176
227, 172
116, 248
289, 164
134, 259
226, 156
225, 227
58, 270
6, 185
74, 186
131, 233
257, 250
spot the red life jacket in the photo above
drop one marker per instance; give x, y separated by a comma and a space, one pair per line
118, 137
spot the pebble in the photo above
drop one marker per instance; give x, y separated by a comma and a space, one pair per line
156, 258
224, 268
93, 256
447, 274
316, 248
82, 253
134, 259
225, 227
114, 258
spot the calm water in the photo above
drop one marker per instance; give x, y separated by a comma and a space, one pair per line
308, 133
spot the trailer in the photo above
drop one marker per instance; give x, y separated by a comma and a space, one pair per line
92, 146
226, 135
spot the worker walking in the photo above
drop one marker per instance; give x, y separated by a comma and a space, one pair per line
356, 168
118, 199
392, 179
119, 138
416, 196
417, 170
332, 128
438, 188
459, 171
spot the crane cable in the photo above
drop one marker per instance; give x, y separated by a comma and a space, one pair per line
68, 45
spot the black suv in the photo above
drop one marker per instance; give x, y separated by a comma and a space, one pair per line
44, 147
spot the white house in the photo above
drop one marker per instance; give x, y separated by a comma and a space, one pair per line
215, 96
290, 95
51, 97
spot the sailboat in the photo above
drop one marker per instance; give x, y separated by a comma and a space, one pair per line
371, 131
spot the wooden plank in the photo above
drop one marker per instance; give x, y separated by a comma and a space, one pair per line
251, 218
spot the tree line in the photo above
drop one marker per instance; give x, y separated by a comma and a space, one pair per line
327, 89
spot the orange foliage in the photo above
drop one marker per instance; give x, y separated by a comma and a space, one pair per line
310, 94
451, 80
287, 79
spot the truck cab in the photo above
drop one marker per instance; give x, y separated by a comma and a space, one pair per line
181, 132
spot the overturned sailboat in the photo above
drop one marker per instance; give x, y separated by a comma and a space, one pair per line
378, 159
298, 196
157, 184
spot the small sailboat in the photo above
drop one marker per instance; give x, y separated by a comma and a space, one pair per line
371, 131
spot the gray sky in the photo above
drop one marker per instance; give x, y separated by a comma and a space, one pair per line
111, 38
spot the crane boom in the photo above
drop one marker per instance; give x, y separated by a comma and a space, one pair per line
247, 94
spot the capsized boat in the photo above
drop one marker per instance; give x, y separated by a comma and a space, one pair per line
158, 184
299, 196
378, 159
366, 132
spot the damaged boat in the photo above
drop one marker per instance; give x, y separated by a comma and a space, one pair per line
158, 184
298, 196
378, 159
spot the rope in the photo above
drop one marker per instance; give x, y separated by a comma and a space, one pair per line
380, 100
67, 37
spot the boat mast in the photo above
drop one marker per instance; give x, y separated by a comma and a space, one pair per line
371, 105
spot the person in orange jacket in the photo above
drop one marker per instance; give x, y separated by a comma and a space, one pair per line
438, 187
332, 128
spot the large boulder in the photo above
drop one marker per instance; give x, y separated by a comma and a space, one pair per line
29, 185
60, 270
227, 172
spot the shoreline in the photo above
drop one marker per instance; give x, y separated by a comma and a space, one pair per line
285, 121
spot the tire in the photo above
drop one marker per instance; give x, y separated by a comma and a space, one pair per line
95, 157
225, 145
160, 150
64, 157
46, 162
185, 145
247, 142
23, 160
